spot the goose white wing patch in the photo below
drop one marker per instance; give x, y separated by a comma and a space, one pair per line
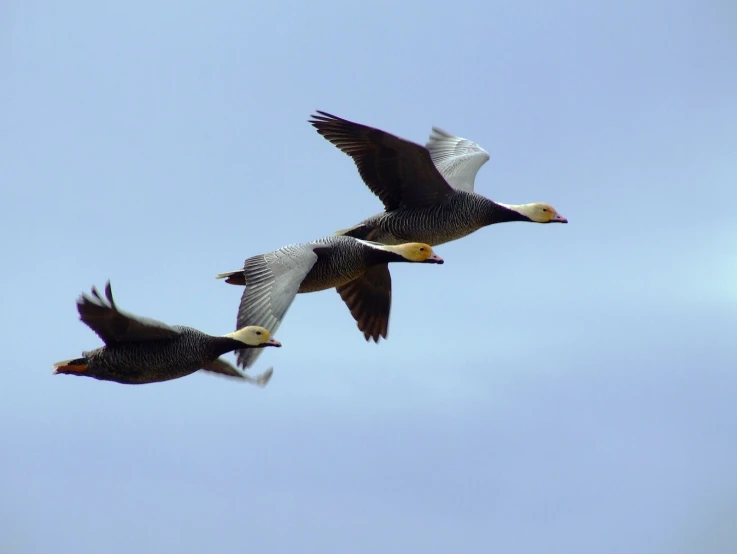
458, 159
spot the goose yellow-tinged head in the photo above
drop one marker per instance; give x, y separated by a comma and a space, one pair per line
253, 335
541, 213
418, 252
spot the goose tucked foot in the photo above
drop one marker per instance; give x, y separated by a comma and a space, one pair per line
71, 366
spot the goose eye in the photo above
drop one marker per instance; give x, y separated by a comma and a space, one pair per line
422, 249
545, 209
258, 333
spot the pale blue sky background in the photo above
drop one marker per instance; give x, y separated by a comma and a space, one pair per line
549, 389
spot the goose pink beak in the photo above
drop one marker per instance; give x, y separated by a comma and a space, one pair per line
273, 342
559, 219
434, 259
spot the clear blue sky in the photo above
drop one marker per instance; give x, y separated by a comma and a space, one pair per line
549, 389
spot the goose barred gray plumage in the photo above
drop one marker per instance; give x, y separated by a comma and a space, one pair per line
356, 268
141, 350
427, 191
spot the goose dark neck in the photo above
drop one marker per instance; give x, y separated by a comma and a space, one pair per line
223, 345
376, 256
495, 213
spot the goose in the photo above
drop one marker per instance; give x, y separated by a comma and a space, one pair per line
427, 191
272, 281
140, 350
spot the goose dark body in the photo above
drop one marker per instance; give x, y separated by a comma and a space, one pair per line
464, 213
339, 259
140, 362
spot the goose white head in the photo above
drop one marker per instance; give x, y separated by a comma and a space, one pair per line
253, 335
538, 212
416, 252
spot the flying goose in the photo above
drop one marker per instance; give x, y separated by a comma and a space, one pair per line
427, 191
140, 350
272, 281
